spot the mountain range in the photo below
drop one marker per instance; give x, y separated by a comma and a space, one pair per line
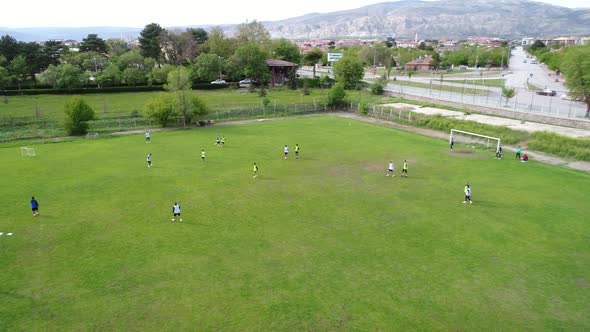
403, 19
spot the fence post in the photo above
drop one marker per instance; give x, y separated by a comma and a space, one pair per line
315, 105
410, 116
217, 114
400, 114
390, 113
569, 111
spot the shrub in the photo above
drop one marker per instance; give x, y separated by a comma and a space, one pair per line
364, 108
337, 95
377, 88
262, 92
78, 113
160, 108
576, 148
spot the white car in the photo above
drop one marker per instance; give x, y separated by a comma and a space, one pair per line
246, 82
570, 97
218, 81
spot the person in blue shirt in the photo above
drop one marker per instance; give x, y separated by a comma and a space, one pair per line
34, 206
518, 152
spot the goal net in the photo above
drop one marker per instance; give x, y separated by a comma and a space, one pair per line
92, 135
25, 151
489, 140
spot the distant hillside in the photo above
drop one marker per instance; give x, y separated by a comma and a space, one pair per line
439, 19
429, 19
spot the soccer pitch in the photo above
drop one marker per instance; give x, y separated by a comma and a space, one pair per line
324, 242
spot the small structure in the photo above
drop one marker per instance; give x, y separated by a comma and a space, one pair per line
420, 64
280, 70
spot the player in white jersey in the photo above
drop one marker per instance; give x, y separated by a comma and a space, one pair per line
467, 191
176, 212
149, 160
147, 136
286, 151
391, 169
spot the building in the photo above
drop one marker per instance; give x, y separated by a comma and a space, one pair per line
420, 64
527, 41
280, 70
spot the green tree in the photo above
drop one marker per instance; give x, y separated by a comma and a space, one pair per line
576, 69
117, 47
19, 69
69, 77
312, 57
92, 43
206, 67
537, 45
508, 93
178, 79
253, 33
337, 96
111, 75
134, 76
78, 113
284, 49
9, 47
218, 44
5, 78
160, 108
199, 35
250, 61
177, 47
159, 75
348, 71
131, 59
149, 42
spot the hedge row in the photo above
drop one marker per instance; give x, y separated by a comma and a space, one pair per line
110, 89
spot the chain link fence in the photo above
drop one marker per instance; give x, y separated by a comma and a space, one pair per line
525, 100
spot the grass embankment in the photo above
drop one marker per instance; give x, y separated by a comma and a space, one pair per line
321, 243
492, 82
551, 143
439, 87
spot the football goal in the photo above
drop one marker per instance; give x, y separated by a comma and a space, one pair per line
488, 139
25, 151
92, 135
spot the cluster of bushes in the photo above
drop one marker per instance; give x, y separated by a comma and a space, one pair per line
438, 122
576, 148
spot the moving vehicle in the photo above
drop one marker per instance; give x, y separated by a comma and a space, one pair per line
572, 98
218, 81
246, 82
547, 92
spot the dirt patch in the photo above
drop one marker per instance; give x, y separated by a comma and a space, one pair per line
339, 170
463, 151
582, 283
376, 167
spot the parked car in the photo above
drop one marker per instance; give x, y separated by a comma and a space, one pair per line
546, 92
218, 81
246, 82
570, 97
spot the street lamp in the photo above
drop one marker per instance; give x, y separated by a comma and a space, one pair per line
220, 64
476, 55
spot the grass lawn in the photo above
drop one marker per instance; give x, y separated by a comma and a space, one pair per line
325, 242
491, 82
43, 115
440, 87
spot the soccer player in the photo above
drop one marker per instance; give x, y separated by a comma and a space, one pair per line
467, 190
499, 152
34, 206
147, 136
296, 151
286, 151
203, 155
405, 169
391, 169
149, 160
452, 143
222, 141
255, 168
176, 212
218, 141
518, 151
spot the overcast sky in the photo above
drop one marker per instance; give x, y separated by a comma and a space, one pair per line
138, 13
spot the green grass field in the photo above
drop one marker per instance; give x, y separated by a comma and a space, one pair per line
325, 242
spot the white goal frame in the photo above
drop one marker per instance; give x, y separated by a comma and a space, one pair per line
25, 151
499, 142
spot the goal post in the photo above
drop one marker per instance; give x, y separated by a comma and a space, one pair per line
25, 151
496, 140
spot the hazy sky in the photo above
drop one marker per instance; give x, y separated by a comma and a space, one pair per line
138, 13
